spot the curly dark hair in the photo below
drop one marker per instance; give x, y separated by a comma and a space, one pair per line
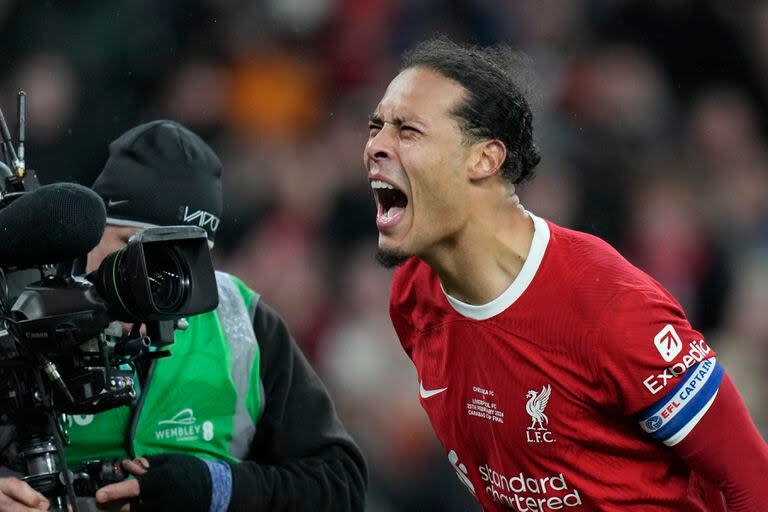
494, 107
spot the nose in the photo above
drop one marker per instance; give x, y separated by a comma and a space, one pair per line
380, 146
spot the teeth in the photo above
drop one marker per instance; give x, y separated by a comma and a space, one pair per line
381, 184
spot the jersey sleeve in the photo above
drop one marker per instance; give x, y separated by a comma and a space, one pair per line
654, 367
727, 450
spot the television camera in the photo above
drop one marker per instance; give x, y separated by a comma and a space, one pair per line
64, 347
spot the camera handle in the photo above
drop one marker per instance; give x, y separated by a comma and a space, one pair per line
42, 449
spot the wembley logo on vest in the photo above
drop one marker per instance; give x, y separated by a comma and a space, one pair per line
183, 426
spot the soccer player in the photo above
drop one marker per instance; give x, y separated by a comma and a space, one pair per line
557, 375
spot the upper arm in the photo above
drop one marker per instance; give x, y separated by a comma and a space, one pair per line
656, 367
299, 417
660, 370
301, 457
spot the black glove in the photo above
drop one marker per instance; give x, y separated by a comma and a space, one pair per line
174, 482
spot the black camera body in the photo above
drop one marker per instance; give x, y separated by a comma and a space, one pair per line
63, 349
59, 322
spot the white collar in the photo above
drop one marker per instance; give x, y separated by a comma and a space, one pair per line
519, 284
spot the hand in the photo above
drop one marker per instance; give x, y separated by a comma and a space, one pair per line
163, 482
18, 496
118, 496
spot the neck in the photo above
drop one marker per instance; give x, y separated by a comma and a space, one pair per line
486, 256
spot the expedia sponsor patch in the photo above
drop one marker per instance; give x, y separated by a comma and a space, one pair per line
697, 352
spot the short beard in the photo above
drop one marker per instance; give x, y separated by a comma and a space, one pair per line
391, 259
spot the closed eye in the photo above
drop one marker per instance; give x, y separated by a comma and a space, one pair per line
409, 132
375, 127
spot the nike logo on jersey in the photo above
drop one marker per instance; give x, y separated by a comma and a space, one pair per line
427, 393
112, 202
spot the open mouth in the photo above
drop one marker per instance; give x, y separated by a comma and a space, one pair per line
390, 203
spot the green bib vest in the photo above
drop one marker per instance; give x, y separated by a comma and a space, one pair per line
204, 400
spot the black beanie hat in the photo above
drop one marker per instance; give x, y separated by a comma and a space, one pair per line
161, 174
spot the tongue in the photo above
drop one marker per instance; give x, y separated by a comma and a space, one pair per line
390, 217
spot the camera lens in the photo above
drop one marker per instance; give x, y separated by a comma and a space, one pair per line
150, 279
168, 278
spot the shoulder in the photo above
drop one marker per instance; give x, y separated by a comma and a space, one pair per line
587, 274
406, 278
229, 284
589, 255
268, 323
416, 299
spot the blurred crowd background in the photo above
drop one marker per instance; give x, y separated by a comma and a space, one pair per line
651, 117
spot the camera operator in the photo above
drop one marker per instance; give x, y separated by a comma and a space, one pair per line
235, 419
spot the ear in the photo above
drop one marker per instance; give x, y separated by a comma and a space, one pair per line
486, 159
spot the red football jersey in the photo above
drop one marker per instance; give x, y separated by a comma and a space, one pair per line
567, 391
